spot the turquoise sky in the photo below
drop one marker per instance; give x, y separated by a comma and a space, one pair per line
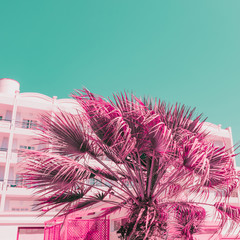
180, 51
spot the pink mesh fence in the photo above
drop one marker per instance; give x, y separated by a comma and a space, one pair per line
77, 229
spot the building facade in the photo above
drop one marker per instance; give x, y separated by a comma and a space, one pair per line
19, 114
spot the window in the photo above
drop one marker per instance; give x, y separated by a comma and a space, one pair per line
26, 123
234, 194
27, 147
107, 183
20, 209
118, 223
97, 182
93, 181
218, 143
25, 233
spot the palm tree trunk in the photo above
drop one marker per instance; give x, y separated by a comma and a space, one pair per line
135, 225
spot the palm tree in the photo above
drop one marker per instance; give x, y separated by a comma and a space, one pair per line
157, 155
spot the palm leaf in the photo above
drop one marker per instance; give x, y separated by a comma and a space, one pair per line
110, 210
108, 124
189, 219
67, 134
228, 212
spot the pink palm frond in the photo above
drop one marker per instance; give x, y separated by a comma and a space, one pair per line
107, 123
68, 134
222, 175
180, 119
49, 170
189, 218
229, 212
110, 210
232, 212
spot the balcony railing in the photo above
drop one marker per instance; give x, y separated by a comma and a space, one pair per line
26, 125
5, 120
103, 183
5, 123
19, 183
3, 149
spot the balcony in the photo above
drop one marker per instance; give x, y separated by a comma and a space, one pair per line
5, 125
17, 184
216, 130
3, 155
14, 157
26, 127
18, 188
26, 124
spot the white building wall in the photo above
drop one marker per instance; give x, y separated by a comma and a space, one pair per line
18, 111
18, 114
8, 232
